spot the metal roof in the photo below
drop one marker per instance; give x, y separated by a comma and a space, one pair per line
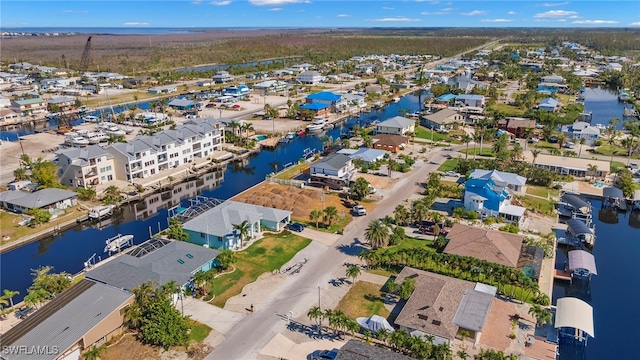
499, 177
396, 122
578, 227
612, 192
576, 202
574, 313
334, 161
473, 310
37, 199
325, 96
65, 320
580, 259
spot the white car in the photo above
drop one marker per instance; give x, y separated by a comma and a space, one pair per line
451, 173
359, 210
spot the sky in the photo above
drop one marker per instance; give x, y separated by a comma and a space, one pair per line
318, 13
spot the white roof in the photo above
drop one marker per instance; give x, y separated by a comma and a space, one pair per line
574, 313
513, 210
580, 259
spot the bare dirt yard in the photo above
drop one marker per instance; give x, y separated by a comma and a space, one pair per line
130, 348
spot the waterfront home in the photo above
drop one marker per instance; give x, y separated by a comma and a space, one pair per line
577, 167
8, 117
144, 156
167, 89
270, 86
490, 199
157, 260
574, 319
215, 227
62, 102
336, 170
441, 306
557, 79
29, 106
182, 104
354, 100
491, 245
47, 199
358, 350
85, 315
581, 130
238, 92
364, 154
390, 142
443, 119
222, 77
511, 181
549, 104
83, 167
397, 125
445, 98
310, 77
316, 109
471, 100
335, 101
516, 126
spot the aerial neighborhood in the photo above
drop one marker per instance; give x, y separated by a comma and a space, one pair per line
436, 205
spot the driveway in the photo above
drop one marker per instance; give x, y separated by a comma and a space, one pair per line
218, 319
320, 236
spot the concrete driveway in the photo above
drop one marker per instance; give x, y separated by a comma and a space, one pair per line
218, 319
320, 236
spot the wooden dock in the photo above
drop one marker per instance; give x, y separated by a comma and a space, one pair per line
270, 143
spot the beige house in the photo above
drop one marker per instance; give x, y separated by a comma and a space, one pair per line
396, 125
88, 166
443, 119
570, 166
8, 117
87, 314
494, 246
29, 106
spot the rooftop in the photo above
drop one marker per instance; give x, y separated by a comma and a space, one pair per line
36, 199
490, 245
397, 122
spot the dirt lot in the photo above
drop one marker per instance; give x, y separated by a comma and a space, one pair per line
130, 348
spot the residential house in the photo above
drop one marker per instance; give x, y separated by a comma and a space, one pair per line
47, 199
8, 117
167, 89
581, 130
87, 314
577, 167
270, 86
316, 109
215, 227
390, 142
88, 166
335, 101
445, 98
222, 77
365, 154
63, 103
517, 126
365, 69
490, 199
397, 125
557, 79
471, 100
29, 106
549, 104
511, 181
354, 100
182, 104
310, 77
373, 89
358, 350
443, 119
203, 83
302, 67
614, 67
442, 306
335, 171
157, 260
491, 245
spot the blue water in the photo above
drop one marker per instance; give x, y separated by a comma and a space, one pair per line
69, 250
604, 105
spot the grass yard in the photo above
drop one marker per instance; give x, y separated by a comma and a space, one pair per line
199, 331
607, 150
336, 226
486, 151
293, 171
424, 133
536, 204
448, 165
363, 300
264, 255
9, 225
507, 110
542, 191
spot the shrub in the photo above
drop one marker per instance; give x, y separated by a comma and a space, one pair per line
472, 215
458, 212
511, 228
489, 220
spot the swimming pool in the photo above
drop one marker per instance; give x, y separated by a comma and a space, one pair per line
260, 137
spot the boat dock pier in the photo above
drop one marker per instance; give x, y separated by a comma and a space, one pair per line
270, 143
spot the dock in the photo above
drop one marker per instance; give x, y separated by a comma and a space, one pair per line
270, 143
561, 275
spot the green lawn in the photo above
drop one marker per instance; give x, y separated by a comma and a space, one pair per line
424, 133
335, 227
9, 225
264, 255
363, 300
448, 165
537, 204
199, 331
606, 149
507, 110
486, 151
542, 191
292, 171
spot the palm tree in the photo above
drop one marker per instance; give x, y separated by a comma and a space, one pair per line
246, 127
331, 215
243, 230
582, 141
516, 152
316, 215
316, 314
353, 272
462, 355
94, 353
383, 335
367, 141
534, 153
376, 234
466, 139
9, 295
234, 125
592, 169
4, 302
401, 215
561, 139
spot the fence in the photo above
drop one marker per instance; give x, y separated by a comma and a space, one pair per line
298, 183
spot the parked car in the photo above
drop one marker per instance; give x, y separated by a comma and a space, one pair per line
428, 230
297, 227
359, 210
325, 355
24, 312
372, 190
451, 173
553, 139
569, 145
210, 105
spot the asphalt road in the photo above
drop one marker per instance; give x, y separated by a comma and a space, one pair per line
300, 291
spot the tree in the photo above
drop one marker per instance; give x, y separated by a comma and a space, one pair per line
542, 315
582, 141
226, 258
401, 215
353, 271
407, 288
20, 174
462, 355
9, 295
397, 235
162, 323
39, 216
466, 139
111, 195
367, 141
360, 188
93, 353
592, 169
376, 234
331, 215
316, 216
175, 230
315, 314
86, 194
243, 230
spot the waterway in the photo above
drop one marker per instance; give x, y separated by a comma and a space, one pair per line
70, 249
604, 106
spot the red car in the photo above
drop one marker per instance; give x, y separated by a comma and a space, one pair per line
210, 105
428, 230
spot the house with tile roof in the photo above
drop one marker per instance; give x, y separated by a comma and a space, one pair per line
215, 227
88, 166
50, 198
398, 125
491, 245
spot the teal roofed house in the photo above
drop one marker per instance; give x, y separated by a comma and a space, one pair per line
489, 199
445, 98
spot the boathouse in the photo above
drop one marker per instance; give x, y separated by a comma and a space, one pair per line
574, 318
578, 230
614, 197
582, 264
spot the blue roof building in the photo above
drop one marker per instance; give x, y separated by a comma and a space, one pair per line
445, 98
548, 104
489, 199
324, 96
314, 106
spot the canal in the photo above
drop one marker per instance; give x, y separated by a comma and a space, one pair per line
69, 250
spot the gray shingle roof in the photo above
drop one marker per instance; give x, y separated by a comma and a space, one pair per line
37, 199
161, 265
442, 116
85, 153
219, 220
397, 122
65, 320
357, 350
334, 162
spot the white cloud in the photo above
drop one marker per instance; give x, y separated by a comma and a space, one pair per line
276, 2
555, 4
344, 15
394, 19
496, 20
637, 23
511, 12
220, 3
136, 24
444, 11
75, 11
387, 8
196, 2
557, 14
475, 13
275, 9
595, 22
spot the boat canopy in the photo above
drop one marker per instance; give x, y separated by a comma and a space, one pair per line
612, 192
580, 259
636, 195
578, 227
574, 313
576, 202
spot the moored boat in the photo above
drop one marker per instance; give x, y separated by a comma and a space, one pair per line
96, 137
118, 242
317, 124
98, 212
290, 135
90, 118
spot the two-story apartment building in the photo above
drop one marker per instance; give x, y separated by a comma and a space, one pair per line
88, 166
222, 77
396, 125
29, 106
310, 77
336, 170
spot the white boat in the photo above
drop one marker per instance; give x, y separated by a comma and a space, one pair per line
396, 99
291, 135
82, 132
90, 118
118, 242
97, 137
98, 212
317, 124
114, 131
76, 140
